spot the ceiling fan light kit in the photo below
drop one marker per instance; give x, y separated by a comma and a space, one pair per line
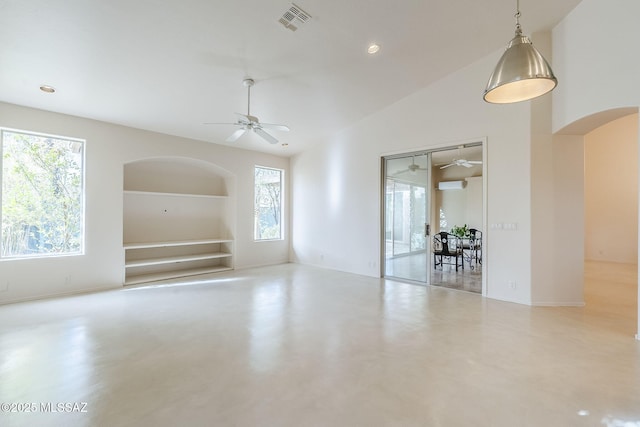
248, 122
521, 74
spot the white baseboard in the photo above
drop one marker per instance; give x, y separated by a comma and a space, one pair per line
61, 294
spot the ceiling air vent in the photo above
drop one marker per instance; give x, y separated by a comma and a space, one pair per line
294, 17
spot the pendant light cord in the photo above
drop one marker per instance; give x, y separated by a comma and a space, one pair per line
517, 16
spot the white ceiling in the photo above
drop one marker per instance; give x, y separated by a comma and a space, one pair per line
169, 66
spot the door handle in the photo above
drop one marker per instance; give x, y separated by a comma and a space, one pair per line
427, 229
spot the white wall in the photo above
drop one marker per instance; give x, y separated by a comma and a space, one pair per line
336, 185
558, 220
474, 203
108, 148
462, 206
454, 207
595, 60
557, 203
611, 192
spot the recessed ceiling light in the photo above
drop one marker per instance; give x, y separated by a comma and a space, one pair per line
47, 89
284, 144
373, 49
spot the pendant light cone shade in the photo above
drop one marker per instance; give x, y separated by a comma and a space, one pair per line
521, 74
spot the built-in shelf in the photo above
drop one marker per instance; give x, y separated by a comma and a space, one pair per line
154, 277
168, 225
149, 261
175, 259
158, 193
146, 245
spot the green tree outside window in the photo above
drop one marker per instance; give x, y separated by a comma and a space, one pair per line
268, 204
42, 195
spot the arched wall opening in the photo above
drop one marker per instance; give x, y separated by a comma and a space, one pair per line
178, 219
610, 144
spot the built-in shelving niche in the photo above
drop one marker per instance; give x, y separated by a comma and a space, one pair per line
179, 219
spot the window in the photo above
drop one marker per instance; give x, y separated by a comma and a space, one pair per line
268, 204
42, 198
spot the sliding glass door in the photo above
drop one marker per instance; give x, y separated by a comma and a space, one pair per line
406, 216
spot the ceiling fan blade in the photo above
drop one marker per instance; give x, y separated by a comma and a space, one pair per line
475, 162
447, 166
237, 134
270, 139
274, 126
400, 172
466, 164
208, 123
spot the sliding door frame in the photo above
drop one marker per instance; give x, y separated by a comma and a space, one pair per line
427, 197
486, 232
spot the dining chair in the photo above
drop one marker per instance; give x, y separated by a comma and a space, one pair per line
475, 245
448, 249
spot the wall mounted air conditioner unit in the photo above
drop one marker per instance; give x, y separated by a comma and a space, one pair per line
451, 185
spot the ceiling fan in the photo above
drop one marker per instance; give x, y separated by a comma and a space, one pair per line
462, 162
412, 168
247, 122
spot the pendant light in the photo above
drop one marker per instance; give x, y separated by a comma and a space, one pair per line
521, 74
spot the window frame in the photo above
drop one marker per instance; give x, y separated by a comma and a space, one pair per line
83, 196
255, 205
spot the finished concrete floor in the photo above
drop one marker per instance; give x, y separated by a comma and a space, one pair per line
292, 345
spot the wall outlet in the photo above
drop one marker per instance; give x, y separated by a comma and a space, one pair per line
512, 284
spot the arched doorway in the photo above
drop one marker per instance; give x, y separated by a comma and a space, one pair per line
610, 141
